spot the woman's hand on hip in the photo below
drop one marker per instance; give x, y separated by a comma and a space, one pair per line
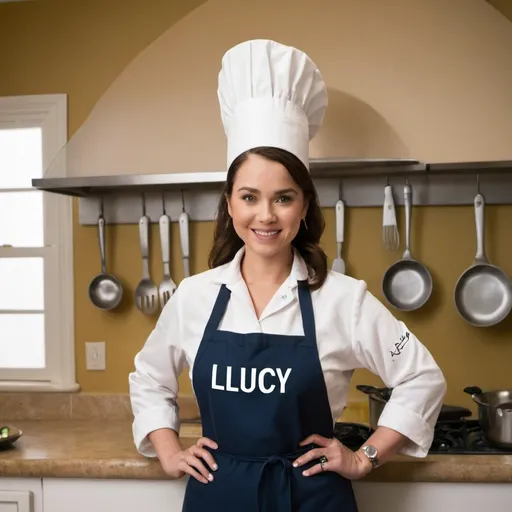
190, 461
340, 459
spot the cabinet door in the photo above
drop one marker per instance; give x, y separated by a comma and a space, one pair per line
16, 501
112, 495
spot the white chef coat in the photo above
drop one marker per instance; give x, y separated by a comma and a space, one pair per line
353, 329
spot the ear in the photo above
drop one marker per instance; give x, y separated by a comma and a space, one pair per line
305, 209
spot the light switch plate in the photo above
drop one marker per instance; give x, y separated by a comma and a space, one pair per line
95, 355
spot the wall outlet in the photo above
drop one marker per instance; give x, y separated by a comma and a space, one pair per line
95, 355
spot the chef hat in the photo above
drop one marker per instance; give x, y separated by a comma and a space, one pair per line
270, 95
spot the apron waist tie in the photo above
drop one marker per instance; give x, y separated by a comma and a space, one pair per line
274, 485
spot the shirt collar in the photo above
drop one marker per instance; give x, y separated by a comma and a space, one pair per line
230, 273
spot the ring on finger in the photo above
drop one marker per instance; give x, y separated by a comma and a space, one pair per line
323, 461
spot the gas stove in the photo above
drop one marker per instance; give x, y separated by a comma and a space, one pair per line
460, 437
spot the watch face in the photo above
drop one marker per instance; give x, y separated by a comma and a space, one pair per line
371, 451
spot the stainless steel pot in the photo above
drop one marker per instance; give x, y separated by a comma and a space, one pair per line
378, 397
494, 414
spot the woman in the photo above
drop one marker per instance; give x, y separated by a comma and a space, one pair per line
271, 336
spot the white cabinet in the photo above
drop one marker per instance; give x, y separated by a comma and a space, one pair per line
432, 497
104, 495
107, 495
21, 495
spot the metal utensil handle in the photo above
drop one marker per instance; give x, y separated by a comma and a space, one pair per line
480, 228
408, 216
183, 221
184, 238
186, 267
144, 239
101, 237
164, 238
340, 220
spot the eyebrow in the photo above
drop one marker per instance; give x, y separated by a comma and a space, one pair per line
277, 192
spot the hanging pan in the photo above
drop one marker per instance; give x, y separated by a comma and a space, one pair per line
483, 293
407, 284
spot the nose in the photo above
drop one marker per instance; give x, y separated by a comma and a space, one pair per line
266, 213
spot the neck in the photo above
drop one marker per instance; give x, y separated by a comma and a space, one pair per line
275, 270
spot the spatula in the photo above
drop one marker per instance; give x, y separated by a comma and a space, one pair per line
338, 265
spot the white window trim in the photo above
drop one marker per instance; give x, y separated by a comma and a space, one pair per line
48, 111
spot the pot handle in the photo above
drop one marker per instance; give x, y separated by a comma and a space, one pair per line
368, 390
504, 410
473, 390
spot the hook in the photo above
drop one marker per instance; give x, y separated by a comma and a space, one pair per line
101, 205
387, 181
478, 183
182, 201
163, 202
143, 204
340, 190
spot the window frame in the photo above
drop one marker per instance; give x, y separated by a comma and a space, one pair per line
48, 111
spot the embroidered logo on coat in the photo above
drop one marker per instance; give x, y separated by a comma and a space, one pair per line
399, 346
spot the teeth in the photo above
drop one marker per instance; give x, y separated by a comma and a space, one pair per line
265, 233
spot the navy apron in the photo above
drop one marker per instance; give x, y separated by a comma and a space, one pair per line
259, 396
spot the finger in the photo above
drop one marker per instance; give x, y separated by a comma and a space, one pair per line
183, 466
316, 453
196, 463
317, 468
204, 454
317, 439
204, 441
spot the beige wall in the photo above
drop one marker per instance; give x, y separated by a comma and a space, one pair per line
417, 78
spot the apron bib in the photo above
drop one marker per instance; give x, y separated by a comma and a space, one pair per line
259, 396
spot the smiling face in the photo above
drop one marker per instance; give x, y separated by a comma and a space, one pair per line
266, 206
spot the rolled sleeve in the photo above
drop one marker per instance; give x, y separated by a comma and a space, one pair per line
409, 424
149, 420
154, 382
385, 346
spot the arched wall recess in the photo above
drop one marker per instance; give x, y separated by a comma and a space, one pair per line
434, 110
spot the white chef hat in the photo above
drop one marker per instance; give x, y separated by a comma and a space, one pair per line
270, 95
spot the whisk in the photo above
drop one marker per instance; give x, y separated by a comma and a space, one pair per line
390, 235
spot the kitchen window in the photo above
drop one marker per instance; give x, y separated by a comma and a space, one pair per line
36, 250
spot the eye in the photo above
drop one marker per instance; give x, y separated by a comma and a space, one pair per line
284, 199
248, 197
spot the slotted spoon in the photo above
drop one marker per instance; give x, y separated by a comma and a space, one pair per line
146, 293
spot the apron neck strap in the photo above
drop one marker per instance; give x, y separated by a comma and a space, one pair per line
306, 310
218, 310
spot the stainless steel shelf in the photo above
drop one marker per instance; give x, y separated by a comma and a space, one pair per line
330, 168
361, 181
471, 167
320, 168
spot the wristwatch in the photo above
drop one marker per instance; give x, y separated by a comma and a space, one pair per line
372, 453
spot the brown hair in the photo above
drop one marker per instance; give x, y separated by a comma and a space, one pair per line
226, 242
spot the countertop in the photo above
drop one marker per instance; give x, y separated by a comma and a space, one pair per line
105, 449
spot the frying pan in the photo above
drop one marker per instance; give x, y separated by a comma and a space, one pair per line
483, 293
407, 284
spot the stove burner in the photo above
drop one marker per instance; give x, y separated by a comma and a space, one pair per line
352, 435
461, 437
